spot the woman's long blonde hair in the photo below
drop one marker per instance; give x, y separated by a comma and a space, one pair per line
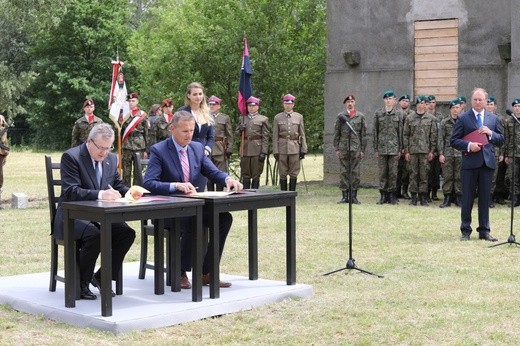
203, 107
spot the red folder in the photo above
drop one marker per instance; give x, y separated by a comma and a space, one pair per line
476, 137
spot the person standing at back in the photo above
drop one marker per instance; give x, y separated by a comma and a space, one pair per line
478, 161
289, 143
83, 125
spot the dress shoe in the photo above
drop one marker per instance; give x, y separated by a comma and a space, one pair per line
487, 237
185, 282
85, 292
464, 237
222, 284
97, 284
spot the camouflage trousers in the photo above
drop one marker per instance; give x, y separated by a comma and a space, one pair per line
419, 168
288, 165
387, 165
345, 175
498, 184
451, 171
516, 183
434, 176
129, 166
403, 173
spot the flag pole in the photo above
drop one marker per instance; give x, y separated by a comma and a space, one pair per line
116, 67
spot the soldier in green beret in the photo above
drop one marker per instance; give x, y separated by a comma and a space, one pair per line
513, 129
434, 176
358, 142
450, 158
83, 125
388, 127
403, 171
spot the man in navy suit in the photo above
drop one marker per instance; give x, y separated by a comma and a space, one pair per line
478, 162
89, 172
178, 165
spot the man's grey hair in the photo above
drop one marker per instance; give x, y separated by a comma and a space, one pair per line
104, 131
181, 116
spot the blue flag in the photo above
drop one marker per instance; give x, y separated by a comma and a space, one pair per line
245, 89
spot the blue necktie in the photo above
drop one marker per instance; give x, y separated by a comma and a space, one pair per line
479, 120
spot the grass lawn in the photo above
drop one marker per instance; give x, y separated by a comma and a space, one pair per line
436, 290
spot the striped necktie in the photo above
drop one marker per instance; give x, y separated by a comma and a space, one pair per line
185, 165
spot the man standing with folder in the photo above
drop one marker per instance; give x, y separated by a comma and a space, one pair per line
475, 134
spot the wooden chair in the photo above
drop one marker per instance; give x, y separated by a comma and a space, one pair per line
52, 170
147, 228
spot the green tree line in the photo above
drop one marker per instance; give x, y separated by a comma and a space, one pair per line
58, 52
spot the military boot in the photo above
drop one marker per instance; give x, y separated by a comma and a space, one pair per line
424, 198
246, 183
434, 195
292, 184
354, 197
393, 198
283, 184
255, 183
446, 202
414, 199
343, 199
382, 199
405, 192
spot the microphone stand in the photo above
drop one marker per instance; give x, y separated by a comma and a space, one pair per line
351, 263
511, 239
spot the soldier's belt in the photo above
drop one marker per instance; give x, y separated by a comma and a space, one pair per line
252, 138
289, 138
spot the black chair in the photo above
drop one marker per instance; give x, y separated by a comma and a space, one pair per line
147, 228
52, 170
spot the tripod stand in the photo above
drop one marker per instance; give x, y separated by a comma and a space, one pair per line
351, 262
511, 239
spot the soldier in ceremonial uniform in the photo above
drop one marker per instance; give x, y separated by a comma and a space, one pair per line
403, 173
387, 146
358, 143
420, 141
4, 151
83, 125
513, 129
135, 136
223, 147
289, 143
450, 158
256, 144
498, 185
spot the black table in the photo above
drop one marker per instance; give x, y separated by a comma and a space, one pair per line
107, 213
250, 200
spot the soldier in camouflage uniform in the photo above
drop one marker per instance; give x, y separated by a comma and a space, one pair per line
83, 125
513, 129
4, 151
434, 177
387, 143
420, 141
256, 144
161, 128
223, 147
450, 158
154, 115
289, 143
135, 135
342, 133
498, 184
403, 172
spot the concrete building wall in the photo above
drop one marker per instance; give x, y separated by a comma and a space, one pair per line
382, 32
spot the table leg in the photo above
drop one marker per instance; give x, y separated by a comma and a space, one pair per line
175, 255
252, 227
290, 222
70, 260
214, 239
158, 256
106, 268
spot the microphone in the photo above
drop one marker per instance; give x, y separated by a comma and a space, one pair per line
509, 112
343, 118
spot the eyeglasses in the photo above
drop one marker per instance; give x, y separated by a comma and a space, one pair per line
102, 148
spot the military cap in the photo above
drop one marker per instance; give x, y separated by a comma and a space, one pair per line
454, 102
132, 95
388, 93
421, 98
288, 98
167, 103
213, 100
431, 97
491, 99
404, 97
349, 97
462, 99
88, 102
515, 102
253, 101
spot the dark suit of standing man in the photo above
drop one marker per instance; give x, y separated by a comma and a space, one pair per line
478, 162
165, 175
80, 183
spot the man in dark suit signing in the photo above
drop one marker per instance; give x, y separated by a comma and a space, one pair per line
478, 162
89, 172
178, 165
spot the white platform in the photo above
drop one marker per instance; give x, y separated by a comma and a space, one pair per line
138, 308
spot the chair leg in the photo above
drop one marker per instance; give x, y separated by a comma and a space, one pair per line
119, 282
54, 265
144, 253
